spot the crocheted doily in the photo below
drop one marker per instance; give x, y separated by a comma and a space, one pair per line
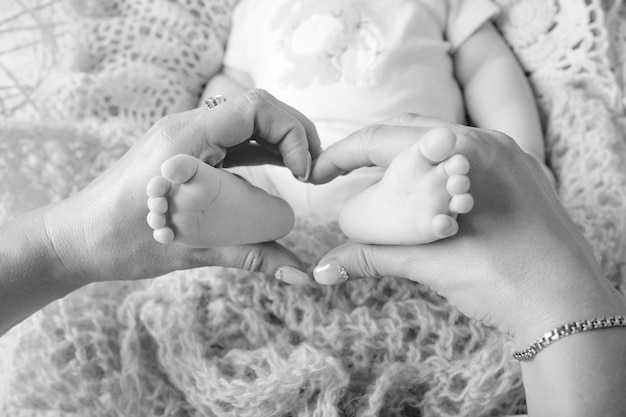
220, 342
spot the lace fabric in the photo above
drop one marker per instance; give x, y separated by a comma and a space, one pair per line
574, 58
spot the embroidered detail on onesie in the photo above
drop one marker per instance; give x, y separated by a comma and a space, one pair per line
328, 41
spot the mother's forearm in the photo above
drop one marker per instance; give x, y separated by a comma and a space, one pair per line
31, 275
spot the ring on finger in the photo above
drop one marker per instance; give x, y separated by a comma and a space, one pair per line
213, 101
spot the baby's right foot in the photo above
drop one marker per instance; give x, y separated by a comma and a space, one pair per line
197, 205
418, 198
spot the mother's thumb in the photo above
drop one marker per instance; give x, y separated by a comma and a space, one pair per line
353, 260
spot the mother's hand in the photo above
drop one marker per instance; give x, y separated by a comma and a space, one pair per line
101, 232
518, 262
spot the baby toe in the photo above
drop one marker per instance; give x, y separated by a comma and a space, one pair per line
444, 226
461, 203
157, 205
180, 168
438, 144
157, 187
457, 184
457, 165
163, 235
155, 221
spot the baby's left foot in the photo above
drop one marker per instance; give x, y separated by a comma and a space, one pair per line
418, 198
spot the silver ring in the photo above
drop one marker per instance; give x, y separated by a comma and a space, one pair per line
212, 101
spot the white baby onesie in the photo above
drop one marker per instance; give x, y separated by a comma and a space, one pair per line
347, 64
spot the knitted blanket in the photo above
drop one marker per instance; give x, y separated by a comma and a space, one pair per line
223, 342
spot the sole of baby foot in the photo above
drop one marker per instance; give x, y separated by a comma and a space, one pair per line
417, 200
197, 205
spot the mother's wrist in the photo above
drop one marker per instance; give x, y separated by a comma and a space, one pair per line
31, 258
594, 302
568, 329
68, 248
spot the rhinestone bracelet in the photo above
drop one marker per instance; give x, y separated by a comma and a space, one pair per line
565, 330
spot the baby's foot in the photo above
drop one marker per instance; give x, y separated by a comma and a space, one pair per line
418, 198
197, 205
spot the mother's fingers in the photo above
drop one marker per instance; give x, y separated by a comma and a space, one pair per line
378, 144
373, 145
315, 145
257, 114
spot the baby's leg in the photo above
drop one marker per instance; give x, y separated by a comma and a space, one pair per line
418, 198
197, 205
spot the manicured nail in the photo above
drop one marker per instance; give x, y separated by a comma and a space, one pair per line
307, 174
331, 272
291, 275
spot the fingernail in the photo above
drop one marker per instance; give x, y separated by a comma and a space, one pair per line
331, 272
291, 275
309, 162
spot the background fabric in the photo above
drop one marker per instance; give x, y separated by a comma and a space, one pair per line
219, 342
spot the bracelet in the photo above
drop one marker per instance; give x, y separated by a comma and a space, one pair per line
565, 330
